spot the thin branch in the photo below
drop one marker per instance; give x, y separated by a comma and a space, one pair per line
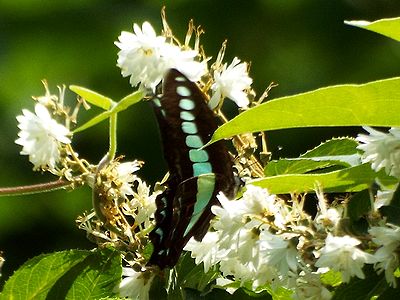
34, 188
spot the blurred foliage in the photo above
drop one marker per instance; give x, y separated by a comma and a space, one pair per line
300, 44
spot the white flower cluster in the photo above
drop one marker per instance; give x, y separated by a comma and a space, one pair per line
381, 149
387, 259
242, 243
42, 138
260, 239
123, 203
146, 56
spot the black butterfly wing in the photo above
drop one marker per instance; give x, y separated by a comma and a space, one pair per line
196, 175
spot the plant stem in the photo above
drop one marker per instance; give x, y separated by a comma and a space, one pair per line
34, 188
113, 137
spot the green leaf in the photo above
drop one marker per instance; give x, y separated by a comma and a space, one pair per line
92, 97
36, 277
334, 147
361, 289
95, 120
337, 152
359, 205
386, 27
127, 101
347, 180
72, 274
120, 106
94, 278
299, 166
375, 104
332, 278
197, 279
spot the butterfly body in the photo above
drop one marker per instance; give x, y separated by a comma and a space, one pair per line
197, 174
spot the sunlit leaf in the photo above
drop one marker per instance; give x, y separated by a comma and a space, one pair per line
334, 147
337, 153
92, 97
300, 166
94, 278
72, 274
36, 277
376, 104
347, 180
127, 101
120, 106
95, 120
332, 278
386, 27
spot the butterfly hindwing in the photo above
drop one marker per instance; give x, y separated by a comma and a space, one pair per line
197, 175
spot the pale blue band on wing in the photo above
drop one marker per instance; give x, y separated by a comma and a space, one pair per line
205, 190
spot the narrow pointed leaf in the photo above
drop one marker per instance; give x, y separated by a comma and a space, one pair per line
347, 180
375, 104
95, 120
128, 101
386, 27
92, 97
120, 106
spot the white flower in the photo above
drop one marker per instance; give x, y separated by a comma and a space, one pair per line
41, 137
145, 57
142, 206
230, 215
241, 243
310, 287
327, 217
381, 149
204, 251
383, 198
278, 252
384, 236
232, 266
231, 82
140, 55
341, 254
183, 61
126, 177
388, 261
136, 285
257, 200
386, 256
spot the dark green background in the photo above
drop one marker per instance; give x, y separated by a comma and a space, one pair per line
300, 44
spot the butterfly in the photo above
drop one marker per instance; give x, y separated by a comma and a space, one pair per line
196, 174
